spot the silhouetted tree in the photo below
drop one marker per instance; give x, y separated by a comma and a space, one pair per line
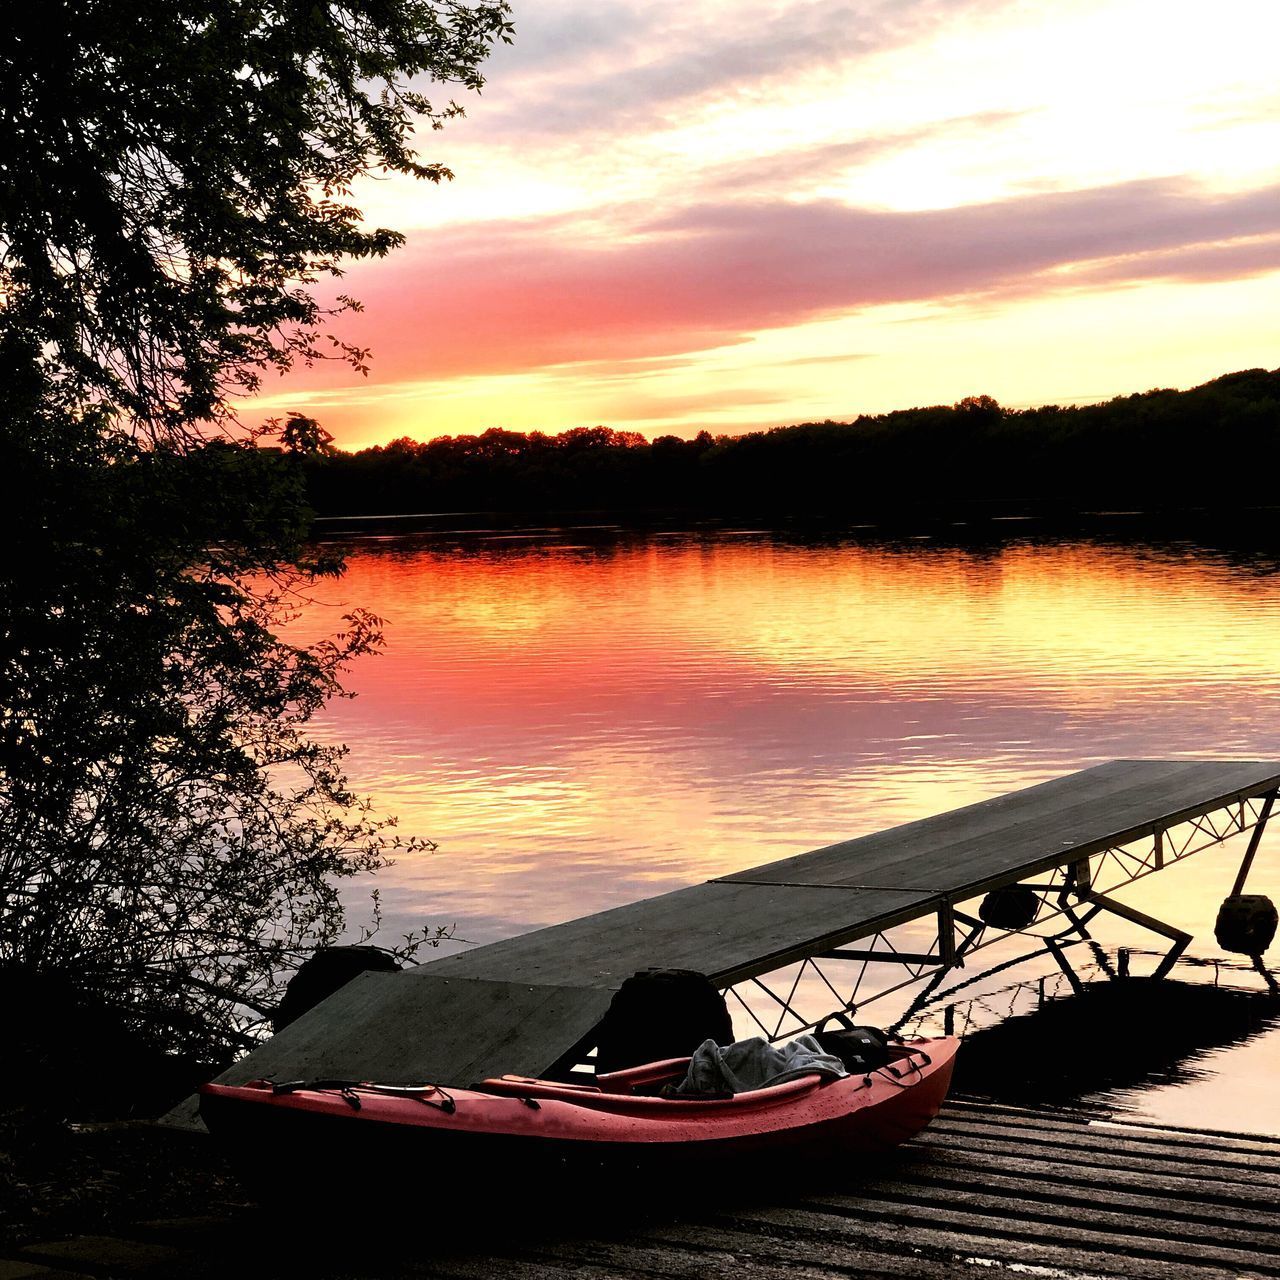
1143, 449
175, 175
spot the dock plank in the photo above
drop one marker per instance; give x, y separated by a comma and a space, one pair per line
496, 1027
1118, 1144
1016, 835
1161, 1220
925, 1221
1013, 1118
718, 928
1213, 1195
940, 1254
1094, 1158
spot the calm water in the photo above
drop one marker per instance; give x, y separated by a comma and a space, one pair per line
585, 716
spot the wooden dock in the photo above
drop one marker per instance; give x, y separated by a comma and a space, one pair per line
531, 1004
985, 1190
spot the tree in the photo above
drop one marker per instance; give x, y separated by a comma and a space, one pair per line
175, 176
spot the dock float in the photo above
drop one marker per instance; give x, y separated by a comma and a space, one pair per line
531, 1004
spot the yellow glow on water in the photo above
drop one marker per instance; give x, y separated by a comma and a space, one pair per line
677, 709
1088, 628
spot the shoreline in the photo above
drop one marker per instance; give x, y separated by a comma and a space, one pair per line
959, 523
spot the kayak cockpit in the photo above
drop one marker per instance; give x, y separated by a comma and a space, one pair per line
647, 1078
646, 1087
615, 1099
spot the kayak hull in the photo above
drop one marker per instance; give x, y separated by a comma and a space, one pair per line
513, 1124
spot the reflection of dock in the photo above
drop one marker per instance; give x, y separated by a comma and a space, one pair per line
531, 1004
1028, 1046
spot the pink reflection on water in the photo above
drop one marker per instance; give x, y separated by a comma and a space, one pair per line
583, 725
580, 727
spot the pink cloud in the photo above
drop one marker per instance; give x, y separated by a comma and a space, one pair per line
517, 296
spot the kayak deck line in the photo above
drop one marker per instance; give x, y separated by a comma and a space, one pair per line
530, 1005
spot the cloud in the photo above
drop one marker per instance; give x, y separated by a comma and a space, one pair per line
787, 171
502, 298
841, 358
634, 405
1197, 264
576, 71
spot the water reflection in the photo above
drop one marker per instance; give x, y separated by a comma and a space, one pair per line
1149, 1049
585, 716
581, 727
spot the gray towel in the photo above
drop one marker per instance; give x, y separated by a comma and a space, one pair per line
754, 1064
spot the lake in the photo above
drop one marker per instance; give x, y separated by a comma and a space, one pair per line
585, 715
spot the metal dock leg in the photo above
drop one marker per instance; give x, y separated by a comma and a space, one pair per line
1179, 937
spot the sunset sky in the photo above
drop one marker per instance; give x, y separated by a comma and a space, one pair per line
672, 215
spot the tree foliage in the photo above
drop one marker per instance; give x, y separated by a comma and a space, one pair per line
171, 836
175, 176
1143, 449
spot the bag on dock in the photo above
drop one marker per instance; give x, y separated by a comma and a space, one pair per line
330, 969
859, 1048
661, 1013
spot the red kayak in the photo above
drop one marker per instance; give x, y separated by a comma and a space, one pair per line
620, 1120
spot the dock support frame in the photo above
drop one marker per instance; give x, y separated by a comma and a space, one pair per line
1254, 841
1179, 938
1075, 893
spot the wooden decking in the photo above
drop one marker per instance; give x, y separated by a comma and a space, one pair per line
986, 1190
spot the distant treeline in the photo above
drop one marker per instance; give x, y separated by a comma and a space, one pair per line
1214, 445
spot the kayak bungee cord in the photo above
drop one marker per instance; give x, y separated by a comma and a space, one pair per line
349, 1091
894, 1076
546, 1126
